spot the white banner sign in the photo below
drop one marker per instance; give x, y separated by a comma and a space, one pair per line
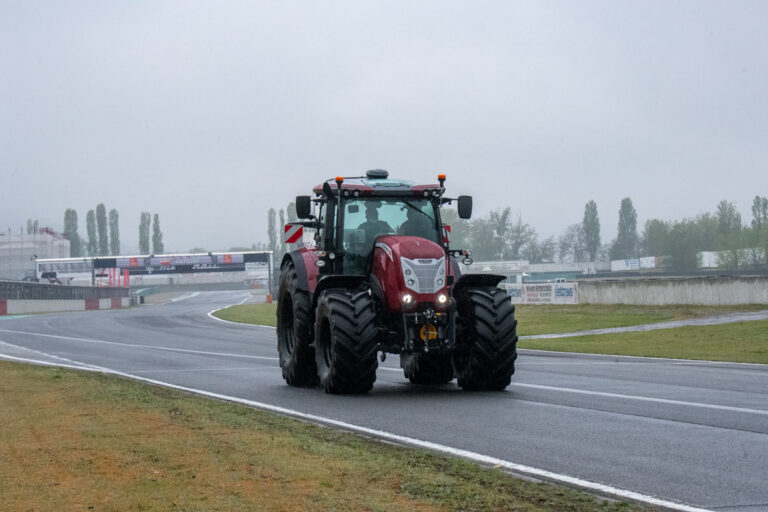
543, 293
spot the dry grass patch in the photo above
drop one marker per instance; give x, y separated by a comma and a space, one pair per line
78, 441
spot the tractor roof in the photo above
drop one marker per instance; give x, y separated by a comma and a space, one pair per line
377, 182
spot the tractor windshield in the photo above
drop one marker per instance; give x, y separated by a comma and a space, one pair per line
366, 218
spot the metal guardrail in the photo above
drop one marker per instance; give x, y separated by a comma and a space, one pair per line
15, 290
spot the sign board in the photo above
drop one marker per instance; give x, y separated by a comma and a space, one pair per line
543, 293
625, 265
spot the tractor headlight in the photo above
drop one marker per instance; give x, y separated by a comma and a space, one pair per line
442, 298
407, 298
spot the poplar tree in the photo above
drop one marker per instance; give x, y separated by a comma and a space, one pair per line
157, 236
626, 244
272, 232
114, 232
144, 221
90, 224
101, 223
70, 233
591, 227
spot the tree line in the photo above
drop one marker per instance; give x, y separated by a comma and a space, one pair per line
500, 235
103, 233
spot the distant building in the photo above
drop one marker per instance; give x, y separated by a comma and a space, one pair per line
18, 252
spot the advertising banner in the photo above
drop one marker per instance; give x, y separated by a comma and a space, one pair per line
543, 293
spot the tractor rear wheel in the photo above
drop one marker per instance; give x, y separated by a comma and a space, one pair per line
345, 341
486, 339
294, 331
427, 368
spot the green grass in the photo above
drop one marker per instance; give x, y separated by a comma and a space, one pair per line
550, 319
743, 342
262, 314
81, 441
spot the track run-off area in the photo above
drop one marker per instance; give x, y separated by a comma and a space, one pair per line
679, 434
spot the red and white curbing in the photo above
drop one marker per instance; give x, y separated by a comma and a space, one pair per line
23, 306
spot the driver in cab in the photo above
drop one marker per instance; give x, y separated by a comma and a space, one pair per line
417, 224
372, 226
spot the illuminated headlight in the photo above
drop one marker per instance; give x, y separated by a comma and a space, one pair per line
331, 256
440, 276
320, 263
442, 299
407, 298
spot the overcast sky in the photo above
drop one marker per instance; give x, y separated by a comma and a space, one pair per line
210, 113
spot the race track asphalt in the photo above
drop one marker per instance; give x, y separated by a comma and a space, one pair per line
688, 432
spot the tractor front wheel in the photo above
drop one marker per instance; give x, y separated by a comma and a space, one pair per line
486, 339
345, 341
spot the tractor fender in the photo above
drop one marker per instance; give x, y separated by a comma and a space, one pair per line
301, 269
476, 281
350, 282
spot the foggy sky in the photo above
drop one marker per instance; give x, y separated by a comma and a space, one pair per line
210, 113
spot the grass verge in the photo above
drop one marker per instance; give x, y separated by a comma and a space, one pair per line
543, 319
551, 319
261, 314
80, 441
742, 342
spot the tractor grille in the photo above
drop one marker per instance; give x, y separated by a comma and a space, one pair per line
423, 275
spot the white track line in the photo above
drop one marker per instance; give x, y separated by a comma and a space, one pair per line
136, 345
626, 397
633, 359
642, 398
477, 457
518, 384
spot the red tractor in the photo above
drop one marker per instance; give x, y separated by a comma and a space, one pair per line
382, 278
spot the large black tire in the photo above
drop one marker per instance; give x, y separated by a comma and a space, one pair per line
486, 339
294, 331
427, 368
345, 341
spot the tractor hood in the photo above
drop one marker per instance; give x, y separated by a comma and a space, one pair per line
411, 247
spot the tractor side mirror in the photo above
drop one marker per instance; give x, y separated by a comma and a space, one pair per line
303, 207
465, 207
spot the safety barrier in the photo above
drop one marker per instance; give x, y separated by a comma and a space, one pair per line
18, 290
28, 306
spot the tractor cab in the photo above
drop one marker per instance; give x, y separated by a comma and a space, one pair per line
352, 212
